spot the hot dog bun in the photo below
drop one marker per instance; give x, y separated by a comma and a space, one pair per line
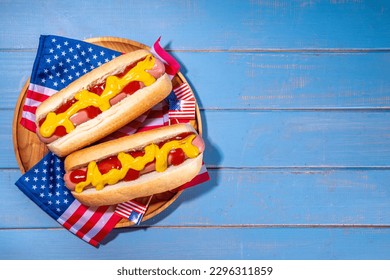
112, 119
145, 185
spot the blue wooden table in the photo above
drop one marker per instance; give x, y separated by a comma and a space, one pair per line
294, 97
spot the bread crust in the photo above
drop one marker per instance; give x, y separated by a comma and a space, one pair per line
148, 184
110, 120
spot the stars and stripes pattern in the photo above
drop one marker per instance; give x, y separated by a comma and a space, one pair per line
132, 210
182, 103
44, 185
184, 92
183, 109
85, 222
59, 62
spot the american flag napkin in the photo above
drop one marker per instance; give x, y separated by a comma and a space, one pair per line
59, 61
44, 185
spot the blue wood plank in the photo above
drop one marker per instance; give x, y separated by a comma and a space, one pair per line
7, 158
202, 243
247, 198
15, 69
20, 211
205, 24
248, 139
257, 80
284, 197
295, 117
278, 138
288, 80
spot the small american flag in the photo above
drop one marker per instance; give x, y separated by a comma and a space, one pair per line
184, 92
132, 210
183, 109
182, 103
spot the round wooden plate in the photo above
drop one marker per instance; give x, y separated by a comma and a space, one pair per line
29, 150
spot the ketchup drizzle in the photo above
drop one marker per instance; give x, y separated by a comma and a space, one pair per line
177, 157
98, 89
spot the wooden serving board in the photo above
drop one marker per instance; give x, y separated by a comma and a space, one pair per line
29, 150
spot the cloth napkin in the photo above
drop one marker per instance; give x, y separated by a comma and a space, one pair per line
58, 62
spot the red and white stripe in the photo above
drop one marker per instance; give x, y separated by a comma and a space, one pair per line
202, 177
184, 92
156, 117
36, 94
187, 110
128, 129
126, 208
91, 224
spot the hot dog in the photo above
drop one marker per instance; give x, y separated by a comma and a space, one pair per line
102, 101
138, 165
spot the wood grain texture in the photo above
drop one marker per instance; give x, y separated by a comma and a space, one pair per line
205, 25
201, 243
281, 139
294, 98
247, 80
297, 138
263, 198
